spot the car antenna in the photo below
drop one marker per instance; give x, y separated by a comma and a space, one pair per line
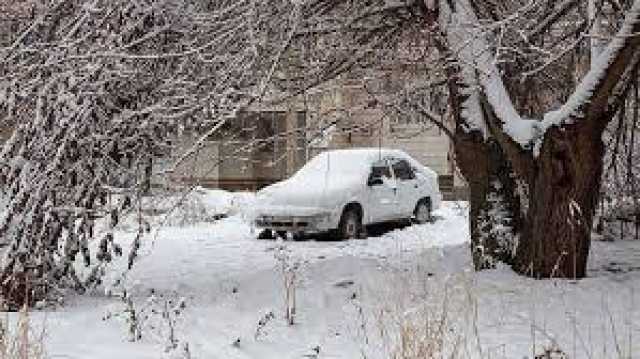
380, 142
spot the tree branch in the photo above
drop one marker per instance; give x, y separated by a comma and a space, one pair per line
596, 91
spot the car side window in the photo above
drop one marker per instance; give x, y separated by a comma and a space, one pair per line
380, 170
403, 170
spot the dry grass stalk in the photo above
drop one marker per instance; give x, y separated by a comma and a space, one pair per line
20, 341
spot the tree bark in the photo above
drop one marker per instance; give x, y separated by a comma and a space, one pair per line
495, 218
545, 220
472, 160
562, 201
489, 176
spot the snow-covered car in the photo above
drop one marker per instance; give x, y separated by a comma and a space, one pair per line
342, 191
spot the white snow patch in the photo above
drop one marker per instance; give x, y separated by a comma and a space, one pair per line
347, 292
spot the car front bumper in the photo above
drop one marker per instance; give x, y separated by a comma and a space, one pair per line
294, 223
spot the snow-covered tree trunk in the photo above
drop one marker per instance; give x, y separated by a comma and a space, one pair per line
494, 205
494, 208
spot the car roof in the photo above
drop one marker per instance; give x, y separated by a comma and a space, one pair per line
368, 152
353, 160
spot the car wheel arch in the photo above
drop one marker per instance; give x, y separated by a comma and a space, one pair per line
429, 203
349, 208
354, 205
427, 200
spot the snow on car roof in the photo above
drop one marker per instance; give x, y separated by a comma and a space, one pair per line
367, 153
348, 161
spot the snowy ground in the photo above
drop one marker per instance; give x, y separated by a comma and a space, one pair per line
352, 298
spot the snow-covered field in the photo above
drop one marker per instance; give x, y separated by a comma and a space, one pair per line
354, 299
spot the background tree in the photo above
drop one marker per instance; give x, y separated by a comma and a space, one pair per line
95, 89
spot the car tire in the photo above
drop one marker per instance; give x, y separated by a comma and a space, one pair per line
350, 226
422, 212
266, 234
299, 236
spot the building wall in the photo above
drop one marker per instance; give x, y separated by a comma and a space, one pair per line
198, 168
5, 133
427, 145
257, 149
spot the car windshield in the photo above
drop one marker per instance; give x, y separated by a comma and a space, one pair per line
336, 163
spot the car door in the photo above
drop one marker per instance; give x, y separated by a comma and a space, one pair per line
407, 187
381, 189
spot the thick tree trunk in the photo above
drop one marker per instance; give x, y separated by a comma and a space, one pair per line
494, 206
490, 176
562, 200
540, 225
472, 159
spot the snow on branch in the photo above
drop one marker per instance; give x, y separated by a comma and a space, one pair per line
469, 44
605, 73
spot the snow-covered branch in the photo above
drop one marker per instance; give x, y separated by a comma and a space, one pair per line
593, 95
478, 66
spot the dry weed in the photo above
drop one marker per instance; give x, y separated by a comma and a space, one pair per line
20, 340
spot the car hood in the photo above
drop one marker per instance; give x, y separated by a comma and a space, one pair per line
309, 194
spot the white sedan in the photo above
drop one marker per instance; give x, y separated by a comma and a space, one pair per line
342, 191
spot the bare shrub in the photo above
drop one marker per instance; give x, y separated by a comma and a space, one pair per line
157, 318
427, 330
262, 324
416, 316
420, 338
289, 269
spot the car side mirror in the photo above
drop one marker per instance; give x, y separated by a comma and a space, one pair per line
374, 181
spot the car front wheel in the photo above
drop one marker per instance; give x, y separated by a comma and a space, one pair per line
422, 213
350, 226
266, 234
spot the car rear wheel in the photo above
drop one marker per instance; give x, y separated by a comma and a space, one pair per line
350, 226
422, 213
